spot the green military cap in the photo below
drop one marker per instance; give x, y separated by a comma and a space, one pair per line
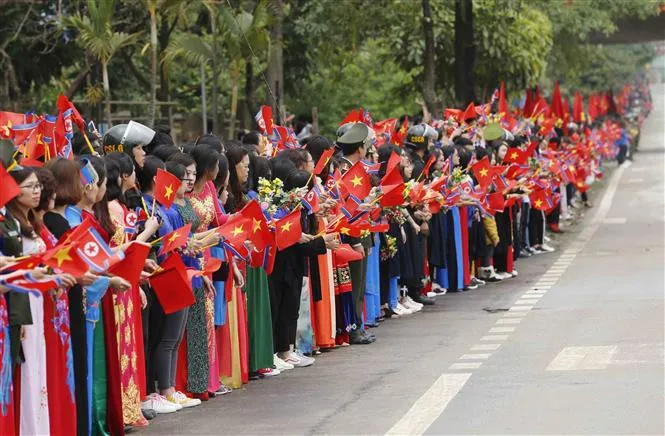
357, 134
492, 132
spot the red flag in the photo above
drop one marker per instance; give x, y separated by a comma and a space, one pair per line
539, 200
166, 185
556, 104
264, 119
455, 114
515, 155
496, 201
529, 103
355, 116
394, 177
469, 112
393, 195
175, 239
357, 181
130, 268
7, 122
236, 230
10, 188
288, 230
482, 173
503, 104
393, 162
64, 104
385, 126
172, 286
428, 164
344, 254
258, 232
399, 136
65, 259
323, 160
578, 108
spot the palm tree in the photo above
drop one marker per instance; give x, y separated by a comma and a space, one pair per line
97, 37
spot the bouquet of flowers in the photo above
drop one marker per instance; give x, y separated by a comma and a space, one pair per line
275, 200
389, 249
395, 215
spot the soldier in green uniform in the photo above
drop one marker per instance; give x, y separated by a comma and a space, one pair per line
352, 140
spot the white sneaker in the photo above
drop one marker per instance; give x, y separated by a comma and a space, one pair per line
513, 273
280, 364
159, 404
402, 310
414, 303
269, 372
412, 307
432, 294
547, 248
504, 275
296, 360
183, 400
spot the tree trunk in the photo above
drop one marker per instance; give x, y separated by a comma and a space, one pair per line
465, 52
163, 93
107, 94
153, 73
250, 88
429, 79
234, 109
275, 70
215, 77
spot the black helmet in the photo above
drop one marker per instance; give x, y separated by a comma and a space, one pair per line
124, 137
418, 136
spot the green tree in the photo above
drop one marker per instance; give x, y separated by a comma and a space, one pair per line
97, 36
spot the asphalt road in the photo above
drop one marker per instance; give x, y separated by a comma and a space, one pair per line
574, 345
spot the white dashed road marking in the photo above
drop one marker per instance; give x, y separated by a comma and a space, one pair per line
583, 358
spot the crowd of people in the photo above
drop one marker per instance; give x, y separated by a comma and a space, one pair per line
140, 277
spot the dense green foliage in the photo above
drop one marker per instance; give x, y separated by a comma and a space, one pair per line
338, 54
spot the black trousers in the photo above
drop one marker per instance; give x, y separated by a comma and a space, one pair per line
536, 227
285, 306
358, 270
153, 321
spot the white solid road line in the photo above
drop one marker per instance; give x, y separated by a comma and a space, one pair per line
494, 338
430, 406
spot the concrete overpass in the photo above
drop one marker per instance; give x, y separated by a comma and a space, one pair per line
634, 30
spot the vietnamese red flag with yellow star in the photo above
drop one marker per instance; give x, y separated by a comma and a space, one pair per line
175, 239
538, 200
236, 230
482, 173
166, 185
63, 257
356, 180
428, 164
515, 155
288, 230
258, 231
398, 137
7, 121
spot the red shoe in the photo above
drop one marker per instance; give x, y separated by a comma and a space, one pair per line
555, 228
